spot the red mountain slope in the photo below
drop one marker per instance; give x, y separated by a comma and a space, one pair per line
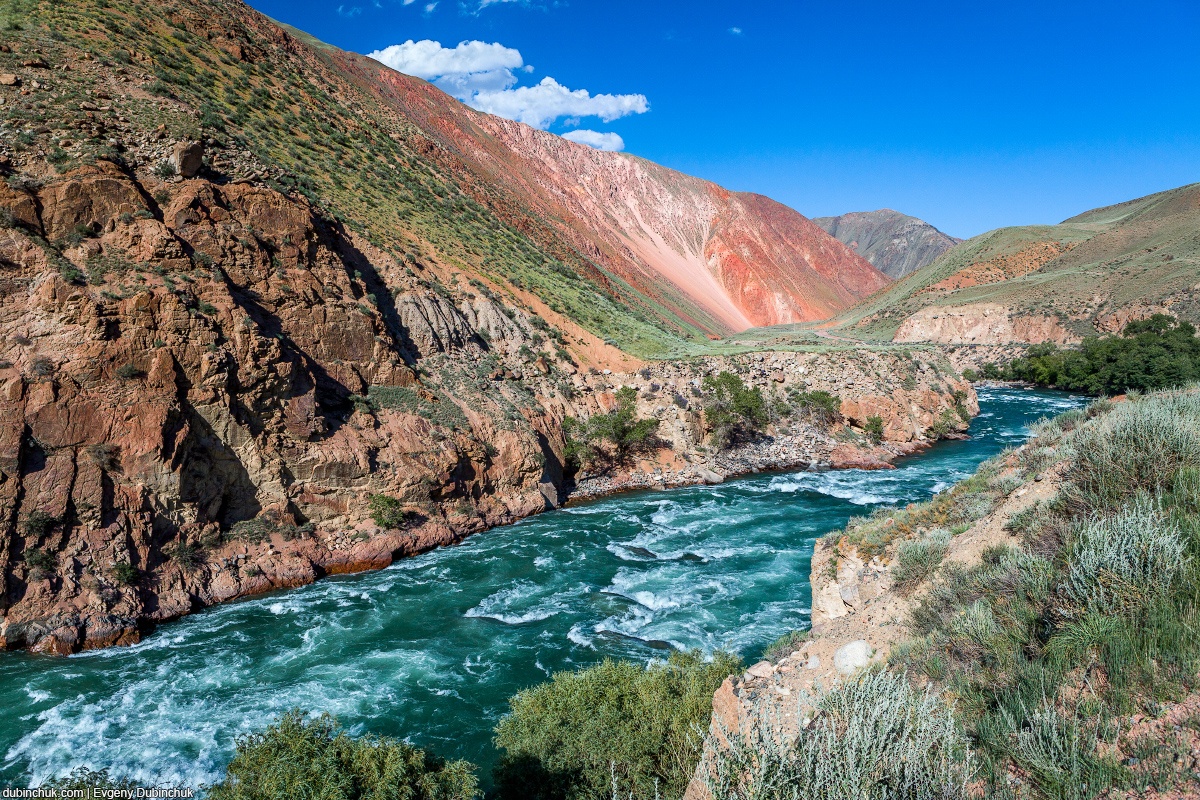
725, 261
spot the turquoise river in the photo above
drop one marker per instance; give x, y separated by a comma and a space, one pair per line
431, 648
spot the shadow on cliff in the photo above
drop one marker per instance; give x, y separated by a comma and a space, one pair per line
212, 478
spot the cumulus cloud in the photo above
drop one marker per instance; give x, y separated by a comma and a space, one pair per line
484, 76
540, 105
736, 31
596, 139
428, 59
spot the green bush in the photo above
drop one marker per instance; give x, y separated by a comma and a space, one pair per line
874, 429
125, 573
388, 512
733, 411
876, 737
189, 557
619, 724
1118, 563
917, 559
944, 425
40, 560
39, 523
614, 437
824, 408
1138, 447
129, 371
1058, 754
314, 758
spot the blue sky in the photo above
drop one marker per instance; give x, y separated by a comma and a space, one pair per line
971, 115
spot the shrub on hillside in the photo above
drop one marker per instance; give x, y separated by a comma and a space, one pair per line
39, 523
1118, 563
610, 438
39, 560
822, 407
733, 411
619, 724
303, 757
917, 559
1138, 447
388, 512
875, 737
873, 428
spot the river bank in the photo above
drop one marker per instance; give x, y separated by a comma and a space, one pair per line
445, 489
431, 647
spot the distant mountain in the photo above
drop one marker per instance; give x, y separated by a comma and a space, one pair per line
895, 244
1090, 274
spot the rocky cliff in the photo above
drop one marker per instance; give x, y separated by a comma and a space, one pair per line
895, 244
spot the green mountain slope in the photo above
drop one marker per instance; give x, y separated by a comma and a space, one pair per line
1088, 274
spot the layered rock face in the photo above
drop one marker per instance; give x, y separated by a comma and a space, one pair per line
982, 324
254, 369
895, 244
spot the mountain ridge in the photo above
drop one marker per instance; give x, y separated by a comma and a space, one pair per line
1090, 274
897, 244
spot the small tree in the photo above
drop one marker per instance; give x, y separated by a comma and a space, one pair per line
613, 437
733, 411
125, 573
387, 512
313, 757
39, 523
822, 407
874, 429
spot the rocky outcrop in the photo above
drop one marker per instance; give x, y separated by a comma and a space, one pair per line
917, 400
982, 324
182, 435
858, 616
895, 244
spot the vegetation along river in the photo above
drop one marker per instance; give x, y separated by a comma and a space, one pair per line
432, 647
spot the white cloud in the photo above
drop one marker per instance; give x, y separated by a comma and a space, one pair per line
428, 59
540, 105
596, 139
483, 76
736, 31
